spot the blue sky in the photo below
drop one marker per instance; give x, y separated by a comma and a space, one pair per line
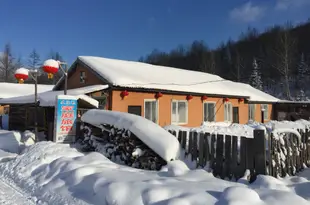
128, 29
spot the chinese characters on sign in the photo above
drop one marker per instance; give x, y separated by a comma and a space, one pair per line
65, 117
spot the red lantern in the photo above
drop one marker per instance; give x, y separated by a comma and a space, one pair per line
21, 75
204, 97
240, 100
124, 94
189, 97
51, 67
226, 99
158, 95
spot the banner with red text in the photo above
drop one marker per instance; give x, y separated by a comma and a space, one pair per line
65, 119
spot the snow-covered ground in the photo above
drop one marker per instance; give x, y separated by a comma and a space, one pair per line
49, 173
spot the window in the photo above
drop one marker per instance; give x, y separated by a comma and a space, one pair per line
228, 112
133, 109
265, 108
252, 112
82, 76
209, 112
179, 110
151, 110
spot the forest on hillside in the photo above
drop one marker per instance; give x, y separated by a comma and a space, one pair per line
275, 61
9, 63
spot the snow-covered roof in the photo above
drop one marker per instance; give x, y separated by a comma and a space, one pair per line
9, 90
48, 99
132, 74
254, 94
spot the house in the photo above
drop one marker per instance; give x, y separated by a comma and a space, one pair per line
168, 95
9, 90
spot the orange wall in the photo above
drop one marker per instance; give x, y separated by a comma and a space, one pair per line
258, 113
195, 107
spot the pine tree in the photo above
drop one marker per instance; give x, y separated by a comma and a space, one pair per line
255, 78
301, 96
303, 70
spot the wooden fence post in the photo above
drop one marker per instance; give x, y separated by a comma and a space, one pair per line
260, 152
219, 155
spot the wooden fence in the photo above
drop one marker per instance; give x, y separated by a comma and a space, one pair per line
230, 156
289, 153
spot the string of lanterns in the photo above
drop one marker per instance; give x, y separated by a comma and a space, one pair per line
124, 94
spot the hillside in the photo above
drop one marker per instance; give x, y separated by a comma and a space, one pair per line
275, 60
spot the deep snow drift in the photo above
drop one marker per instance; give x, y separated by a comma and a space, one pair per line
58, 174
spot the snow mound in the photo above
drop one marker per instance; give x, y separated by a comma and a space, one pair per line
14, 142
240, 196
155, 137
177, 168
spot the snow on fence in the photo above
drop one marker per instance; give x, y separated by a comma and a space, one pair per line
289, 153
230, 156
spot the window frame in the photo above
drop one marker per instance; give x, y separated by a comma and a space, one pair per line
82, 82
203, 110
266, 114
186, 112
254, 111
157, 108
231, 114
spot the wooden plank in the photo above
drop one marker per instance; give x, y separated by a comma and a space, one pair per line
270, 155
212, 156
207, 137
184, 139
190, 143
303, 150
293, 154
243, 157
194, 149
288, 161
201, 159
260, 152
219, 155
180, 136
227, 165
307, 148
234, 157
250, 150
297, 150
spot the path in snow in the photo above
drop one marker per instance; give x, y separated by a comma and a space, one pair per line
10, 195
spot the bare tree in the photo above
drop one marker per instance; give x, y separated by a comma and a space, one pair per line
6, 63
34, 59
285, 52
212, 62
237, 66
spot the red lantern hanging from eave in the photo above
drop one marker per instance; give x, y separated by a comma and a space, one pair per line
158, 95
226, 99
21, 74
51, 67
189, 97
204, 97
240, 100
124, 94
